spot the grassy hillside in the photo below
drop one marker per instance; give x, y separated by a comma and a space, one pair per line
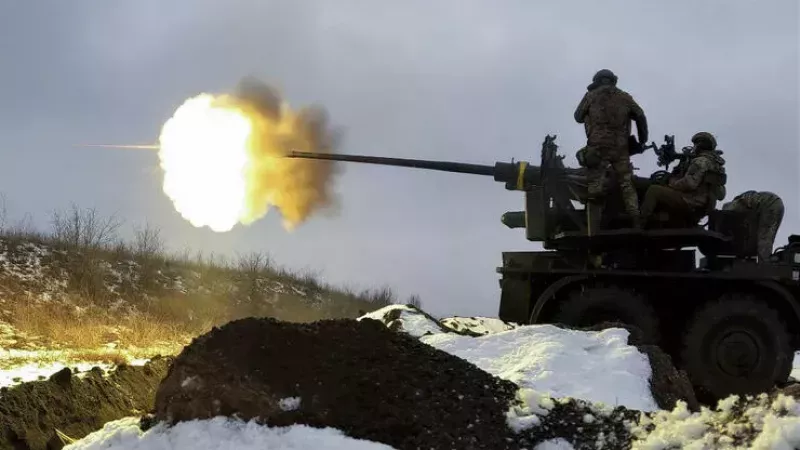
77, 285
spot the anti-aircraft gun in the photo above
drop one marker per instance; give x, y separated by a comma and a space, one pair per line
729, 320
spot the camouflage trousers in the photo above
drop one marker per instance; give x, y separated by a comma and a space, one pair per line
770, 216
617, 163
665, 197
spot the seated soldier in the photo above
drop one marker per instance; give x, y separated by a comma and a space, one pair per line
768, 209
694, 193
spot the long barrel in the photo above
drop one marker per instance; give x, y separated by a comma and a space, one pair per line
445, 166
515, 175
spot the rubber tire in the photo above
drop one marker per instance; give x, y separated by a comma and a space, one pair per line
628, 307
703, 368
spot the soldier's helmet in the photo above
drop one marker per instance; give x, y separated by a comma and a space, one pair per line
704, 140
604, 74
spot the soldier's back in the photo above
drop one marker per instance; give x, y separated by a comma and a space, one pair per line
609, 117
754, 200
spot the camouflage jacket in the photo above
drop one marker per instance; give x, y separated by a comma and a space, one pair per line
703, 184
606, 113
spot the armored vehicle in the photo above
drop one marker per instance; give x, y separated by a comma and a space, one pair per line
695, 290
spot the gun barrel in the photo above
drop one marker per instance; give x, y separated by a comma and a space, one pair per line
444, 166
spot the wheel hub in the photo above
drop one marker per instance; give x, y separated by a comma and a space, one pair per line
737, 353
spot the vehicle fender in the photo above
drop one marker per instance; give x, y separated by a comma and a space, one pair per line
549, 294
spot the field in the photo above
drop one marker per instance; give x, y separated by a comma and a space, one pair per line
113, 344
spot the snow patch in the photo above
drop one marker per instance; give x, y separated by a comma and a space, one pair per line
218, 433
554, 444
289, 403
596, 366
406, 319
15, 375
20, 366
533, 405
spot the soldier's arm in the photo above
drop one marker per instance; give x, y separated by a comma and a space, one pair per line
582, 109
693, 177
638, 116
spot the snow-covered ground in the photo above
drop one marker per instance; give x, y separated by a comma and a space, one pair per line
596, 366
39, 371
218, 433
545, 361
21, 366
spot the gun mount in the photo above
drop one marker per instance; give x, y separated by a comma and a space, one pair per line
551, 190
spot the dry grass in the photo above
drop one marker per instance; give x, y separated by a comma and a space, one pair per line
86, 245
88, 327
67, 357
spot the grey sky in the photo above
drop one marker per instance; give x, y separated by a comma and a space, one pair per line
462, 80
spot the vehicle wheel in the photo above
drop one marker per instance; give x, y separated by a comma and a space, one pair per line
736, 345
592, 305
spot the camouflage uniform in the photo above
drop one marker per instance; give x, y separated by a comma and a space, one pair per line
664, 197
769, 212
606, 112
696, 191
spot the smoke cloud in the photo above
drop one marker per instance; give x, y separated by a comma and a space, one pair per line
297, 187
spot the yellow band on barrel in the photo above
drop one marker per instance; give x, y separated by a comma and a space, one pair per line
521, 175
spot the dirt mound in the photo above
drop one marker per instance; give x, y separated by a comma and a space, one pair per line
358, 377
369, 382
31, 412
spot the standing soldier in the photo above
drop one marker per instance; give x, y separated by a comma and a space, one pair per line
606, 112
768, 209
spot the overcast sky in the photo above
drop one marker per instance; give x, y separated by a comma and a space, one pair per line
460, 80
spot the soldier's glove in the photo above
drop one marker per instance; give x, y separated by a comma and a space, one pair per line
580, 155
634, 147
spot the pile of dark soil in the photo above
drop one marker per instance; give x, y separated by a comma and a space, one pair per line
359, 377
363, 379
31, 412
